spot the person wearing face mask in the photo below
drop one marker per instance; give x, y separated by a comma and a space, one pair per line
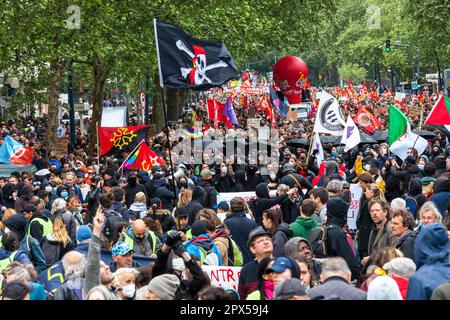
192, 278
253, 178
142, 241
124, 283
223, 181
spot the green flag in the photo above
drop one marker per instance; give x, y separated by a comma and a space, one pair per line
398, 124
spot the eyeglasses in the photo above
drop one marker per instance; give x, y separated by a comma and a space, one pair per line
262, 240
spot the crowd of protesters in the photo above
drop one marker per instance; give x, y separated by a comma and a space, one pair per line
105, 234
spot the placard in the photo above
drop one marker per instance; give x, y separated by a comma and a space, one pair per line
352, 213
220, 275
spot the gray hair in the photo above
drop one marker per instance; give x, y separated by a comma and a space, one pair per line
335, 266
118, 274
335, 186
19, 271
58, 204
398, 204
430, 206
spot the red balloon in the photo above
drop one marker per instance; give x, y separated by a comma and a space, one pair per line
290, 74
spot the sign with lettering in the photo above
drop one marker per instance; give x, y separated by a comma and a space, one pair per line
352, 213
219, 276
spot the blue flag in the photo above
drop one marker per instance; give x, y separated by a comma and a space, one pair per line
8, 149
228, 112
280, 106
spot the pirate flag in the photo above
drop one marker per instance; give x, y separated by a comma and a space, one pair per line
185, 61
114, 140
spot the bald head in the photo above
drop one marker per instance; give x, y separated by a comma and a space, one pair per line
73, 263
139, 228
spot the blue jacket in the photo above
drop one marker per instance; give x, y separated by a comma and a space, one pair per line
31, 247
204, 242
240, 227
19, 257
120, 208
431, 256
440, 200
77, 192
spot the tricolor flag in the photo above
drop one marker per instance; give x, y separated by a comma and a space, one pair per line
350, 137
400, 136
13, 152
142, 158
440, 114
317, 145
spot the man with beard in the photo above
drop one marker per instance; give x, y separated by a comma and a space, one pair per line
142, 241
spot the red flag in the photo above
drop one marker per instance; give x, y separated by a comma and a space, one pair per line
23, 156
264, 105
143, 158
211, 109
367, 120
115, 140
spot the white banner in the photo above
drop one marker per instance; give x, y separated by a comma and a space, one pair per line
251, 195
114, 117
352, 214
220, 276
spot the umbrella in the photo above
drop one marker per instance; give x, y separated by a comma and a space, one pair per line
42, 172
381, 135
297, 143
425, 134
328, 139
365, 138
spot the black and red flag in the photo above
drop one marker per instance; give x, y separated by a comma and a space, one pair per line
185, 61
114, 140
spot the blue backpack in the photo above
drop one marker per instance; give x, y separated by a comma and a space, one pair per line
412, 206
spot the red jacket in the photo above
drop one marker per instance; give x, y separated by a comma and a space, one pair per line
402, 285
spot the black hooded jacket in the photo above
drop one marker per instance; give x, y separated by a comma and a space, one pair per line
7, 192
279, 239
211, 193
337, 245
196, 204
239, 177
288, 180
263, 202
131, 189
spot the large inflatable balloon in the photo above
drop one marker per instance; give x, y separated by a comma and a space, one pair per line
290, 74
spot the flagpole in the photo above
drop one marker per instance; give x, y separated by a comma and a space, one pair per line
129, 155
420, 124
98, 146
168, 141
309, 150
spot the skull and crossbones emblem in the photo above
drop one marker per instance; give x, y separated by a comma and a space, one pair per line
197, 74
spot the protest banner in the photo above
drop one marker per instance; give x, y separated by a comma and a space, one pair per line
220, 275
251, 195
352, 212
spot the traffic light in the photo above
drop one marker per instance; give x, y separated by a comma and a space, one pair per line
388, 45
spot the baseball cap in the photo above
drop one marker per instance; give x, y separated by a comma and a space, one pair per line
223, 205
29, 208
206, 172
289, 288
280, 265
121, 248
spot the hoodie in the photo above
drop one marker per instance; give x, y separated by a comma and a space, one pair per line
263, 202
204, 243
431, 251
156, 188
441, 195
196, 204
279, 239
302, 226
337, 244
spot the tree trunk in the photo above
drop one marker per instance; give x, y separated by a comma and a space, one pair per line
157, 111
100, 74
54, 88
176, 99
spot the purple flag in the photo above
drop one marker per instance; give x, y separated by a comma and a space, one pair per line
228, 112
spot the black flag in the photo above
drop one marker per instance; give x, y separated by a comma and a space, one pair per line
185, 61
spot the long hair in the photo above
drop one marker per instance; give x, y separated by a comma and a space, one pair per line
60, 232
185, 197
8, 213
58, 204
275, 215
377, 193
